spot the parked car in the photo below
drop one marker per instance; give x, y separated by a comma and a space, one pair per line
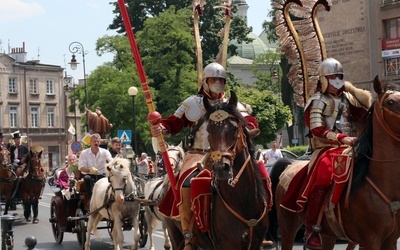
285, 153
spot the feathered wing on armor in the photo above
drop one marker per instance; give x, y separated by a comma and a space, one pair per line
197, 11
223, 48
302, 43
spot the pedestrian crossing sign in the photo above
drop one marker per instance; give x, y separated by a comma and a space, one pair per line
125, 136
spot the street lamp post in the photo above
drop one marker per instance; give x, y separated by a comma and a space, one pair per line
77, 47
68, 80
132, 91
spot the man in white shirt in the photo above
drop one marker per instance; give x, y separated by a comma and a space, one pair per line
273, 154
92, 162
142, 169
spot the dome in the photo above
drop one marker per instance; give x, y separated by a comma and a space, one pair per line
251, 50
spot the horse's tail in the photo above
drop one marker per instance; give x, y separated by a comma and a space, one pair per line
276, 171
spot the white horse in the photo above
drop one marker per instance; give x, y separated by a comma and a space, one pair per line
155, 190
110, 201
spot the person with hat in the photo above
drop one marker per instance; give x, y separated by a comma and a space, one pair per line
17, 150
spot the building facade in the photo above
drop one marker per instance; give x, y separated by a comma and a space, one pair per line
33, 101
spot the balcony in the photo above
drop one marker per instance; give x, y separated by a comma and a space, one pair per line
385, 3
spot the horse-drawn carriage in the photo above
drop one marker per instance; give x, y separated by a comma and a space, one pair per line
70, 211
22, 184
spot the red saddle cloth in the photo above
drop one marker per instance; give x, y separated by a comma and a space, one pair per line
201, 199
200, 195
169, 205
296, 196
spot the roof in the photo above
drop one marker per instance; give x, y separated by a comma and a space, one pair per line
253, 49
239, 60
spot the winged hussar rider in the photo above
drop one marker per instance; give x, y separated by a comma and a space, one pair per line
189, 114
330, 114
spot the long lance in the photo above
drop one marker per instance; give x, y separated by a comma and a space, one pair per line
153, 117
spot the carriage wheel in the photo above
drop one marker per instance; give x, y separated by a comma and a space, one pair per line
142, 228
80, 225
55, 222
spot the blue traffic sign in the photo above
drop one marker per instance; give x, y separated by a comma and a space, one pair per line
76, 146
125, 136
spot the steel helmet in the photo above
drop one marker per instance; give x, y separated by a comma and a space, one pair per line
329, 66
213, 70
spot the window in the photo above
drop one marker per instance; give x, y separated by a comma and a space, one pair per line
34, 116
50, 87
33, 86
392, 66
12, 85
392, 28
50, 117
13, 116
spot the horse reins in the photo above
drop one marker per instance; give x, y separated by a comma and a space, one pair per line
381, 118
232, 182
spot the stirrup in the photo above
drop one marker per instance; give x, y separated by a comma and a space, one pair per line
307, 245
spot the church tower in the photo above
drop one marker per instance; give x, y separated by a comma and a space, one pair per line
242, 9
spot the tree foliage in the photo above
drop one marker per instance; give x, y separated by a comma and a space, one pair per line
211, 22
165, 39
271, 113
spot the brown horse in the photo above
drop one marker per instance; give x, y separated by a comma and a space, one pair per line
32, 185
7, 178
238, 214
368, 215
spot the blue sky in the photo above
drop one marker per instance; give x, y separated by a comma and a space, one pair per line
48, 27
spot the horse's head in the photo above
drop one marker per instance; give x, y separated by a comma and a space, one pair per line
176, 154
34, 163
120, 178
387, 108
5, 160
227, 136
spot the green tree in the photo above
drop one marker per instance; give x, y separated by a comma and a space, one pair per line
271, 113
211, 22
166, 46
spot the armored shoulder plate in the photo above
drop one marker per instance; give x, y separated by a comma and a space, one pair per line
192, 107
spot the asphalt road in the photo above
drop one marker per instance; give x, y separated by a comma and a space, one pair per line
45, 240
44, 235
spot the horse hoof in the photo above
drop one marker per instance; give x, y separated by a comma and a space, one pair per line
35, 221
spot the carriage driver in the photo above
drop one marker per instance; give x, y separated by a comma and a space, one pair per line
189, 114
17, 150
92, 162
332, 114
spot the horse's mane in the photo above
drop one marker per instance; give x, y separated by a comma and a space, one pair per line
363, 152
233, 110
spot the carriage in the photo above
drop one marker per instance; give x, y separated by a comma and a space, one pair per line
69, 213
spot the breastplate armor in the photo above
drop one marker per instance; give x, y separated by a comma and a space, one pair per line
324, 112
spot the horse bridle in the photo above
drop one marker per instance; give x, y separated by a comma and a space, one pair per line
217, 155
34, 170
380, 117
231, 154
176, 161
